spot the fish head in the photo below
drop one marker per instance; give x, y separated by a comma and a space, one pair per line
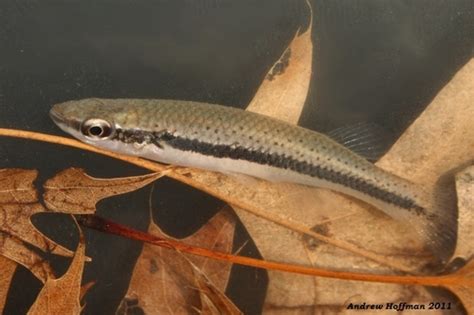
110, 124
89, 120
83, 119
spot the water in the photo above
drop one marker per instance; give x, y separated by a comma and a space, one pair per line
379, 61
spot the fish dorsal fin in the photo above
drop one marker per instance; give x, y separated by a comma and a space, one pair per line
366, 139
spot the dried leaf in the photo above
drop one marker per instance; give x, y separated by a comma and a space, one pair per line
70, 189
7, 267
465, 192
85, 288
452, 107
442, 138
164, 281
282, 293
77, 193
18, 202
440, 142
16, 250
62, 296
290, 76
213, 300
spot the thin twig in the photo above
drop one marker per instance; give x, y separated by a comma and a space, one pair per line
104, 225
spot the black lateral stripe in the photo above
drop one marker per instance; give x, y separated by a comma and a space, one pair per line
271, 159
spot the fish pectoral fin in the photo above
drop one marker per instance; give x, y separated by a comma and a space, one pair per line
368, 140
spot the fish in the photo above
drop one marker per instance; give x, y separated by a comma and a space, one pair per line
230, 140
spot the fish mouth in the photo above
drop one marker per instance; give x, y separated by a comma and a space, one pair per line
56, 117
62, 122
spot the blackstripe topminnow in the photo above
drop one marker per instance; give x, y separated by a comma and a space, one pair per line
230, 140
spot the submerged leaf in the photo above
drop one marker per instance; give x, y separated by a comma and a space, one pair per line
358, 223
18, 202
290, 76
16, 250
342, 219
74, 191
71, 191
439, 143
62, 296
441, 139
213, 300
465, 193
429, 149
164, 280
7, 268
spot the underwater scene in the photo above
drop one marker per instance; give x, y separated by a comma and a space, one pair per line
236, 157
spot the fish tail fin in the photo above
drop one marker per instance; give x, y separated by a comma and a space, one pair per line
438, 226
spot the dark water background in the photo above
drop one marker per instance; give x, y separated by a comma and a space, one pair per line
374, 61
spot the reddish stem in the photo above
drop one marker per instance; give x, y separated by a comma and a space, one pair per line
104, 225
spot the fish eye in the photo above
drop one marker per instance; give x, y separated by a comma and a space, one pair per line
96, 129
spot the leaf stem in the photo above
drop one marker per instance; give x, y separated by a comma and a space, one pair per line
104, 225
